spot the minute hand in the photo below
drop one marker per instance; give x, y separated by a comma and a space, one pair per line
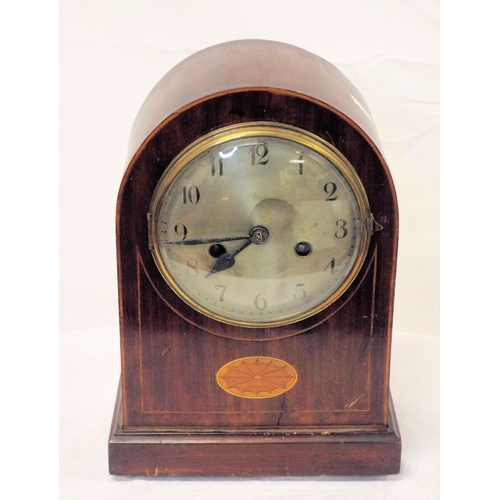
203, 241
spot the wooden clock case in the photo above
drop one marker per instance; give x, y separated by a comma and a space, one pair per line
171, 416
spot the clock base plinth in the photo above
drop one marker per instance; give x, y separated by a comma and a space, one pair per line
198, 453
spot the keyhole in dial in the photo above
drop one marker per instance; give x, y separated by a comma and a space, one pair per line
303, 249
217, 250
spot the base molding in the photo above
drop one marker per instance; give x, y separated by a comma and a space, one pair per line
238, 454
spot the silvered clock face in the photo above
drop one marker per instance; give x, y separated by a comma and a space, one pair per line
259, 225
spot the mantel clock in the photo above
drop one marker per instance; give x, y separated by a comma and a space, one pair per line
256, 235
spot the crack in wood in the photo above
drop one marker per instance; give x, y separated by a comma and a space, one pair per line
282, 410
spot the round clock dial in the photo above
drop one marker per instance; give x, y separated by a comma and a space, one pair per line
259, 225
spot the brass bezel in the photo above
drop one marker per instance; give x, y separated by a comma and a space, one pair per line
260, 129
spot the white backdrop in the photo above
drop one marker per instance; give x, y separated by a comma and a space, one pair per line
111, 54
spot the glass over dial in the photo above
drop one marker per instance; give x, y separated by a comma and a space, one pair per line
259, 225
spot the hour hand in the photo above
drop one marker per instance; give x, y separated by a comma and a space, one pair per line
226, 260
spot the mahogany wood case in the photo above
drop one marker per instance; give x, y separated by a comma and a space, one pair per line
171, 417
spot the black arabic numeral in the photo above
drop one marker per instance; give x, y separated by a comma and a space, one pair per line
223, 288
192, 268
331, 266
217, 167
330, 189
300, 293
342, 232
260, 303
181, 230
258, 153
301, 164
191, 194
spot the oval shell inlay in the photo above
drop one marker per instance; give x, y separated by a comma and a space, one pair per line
256, 377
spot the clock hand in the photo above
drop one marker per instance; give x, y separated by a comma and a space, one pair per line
257, 235
203, 241
226, 260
